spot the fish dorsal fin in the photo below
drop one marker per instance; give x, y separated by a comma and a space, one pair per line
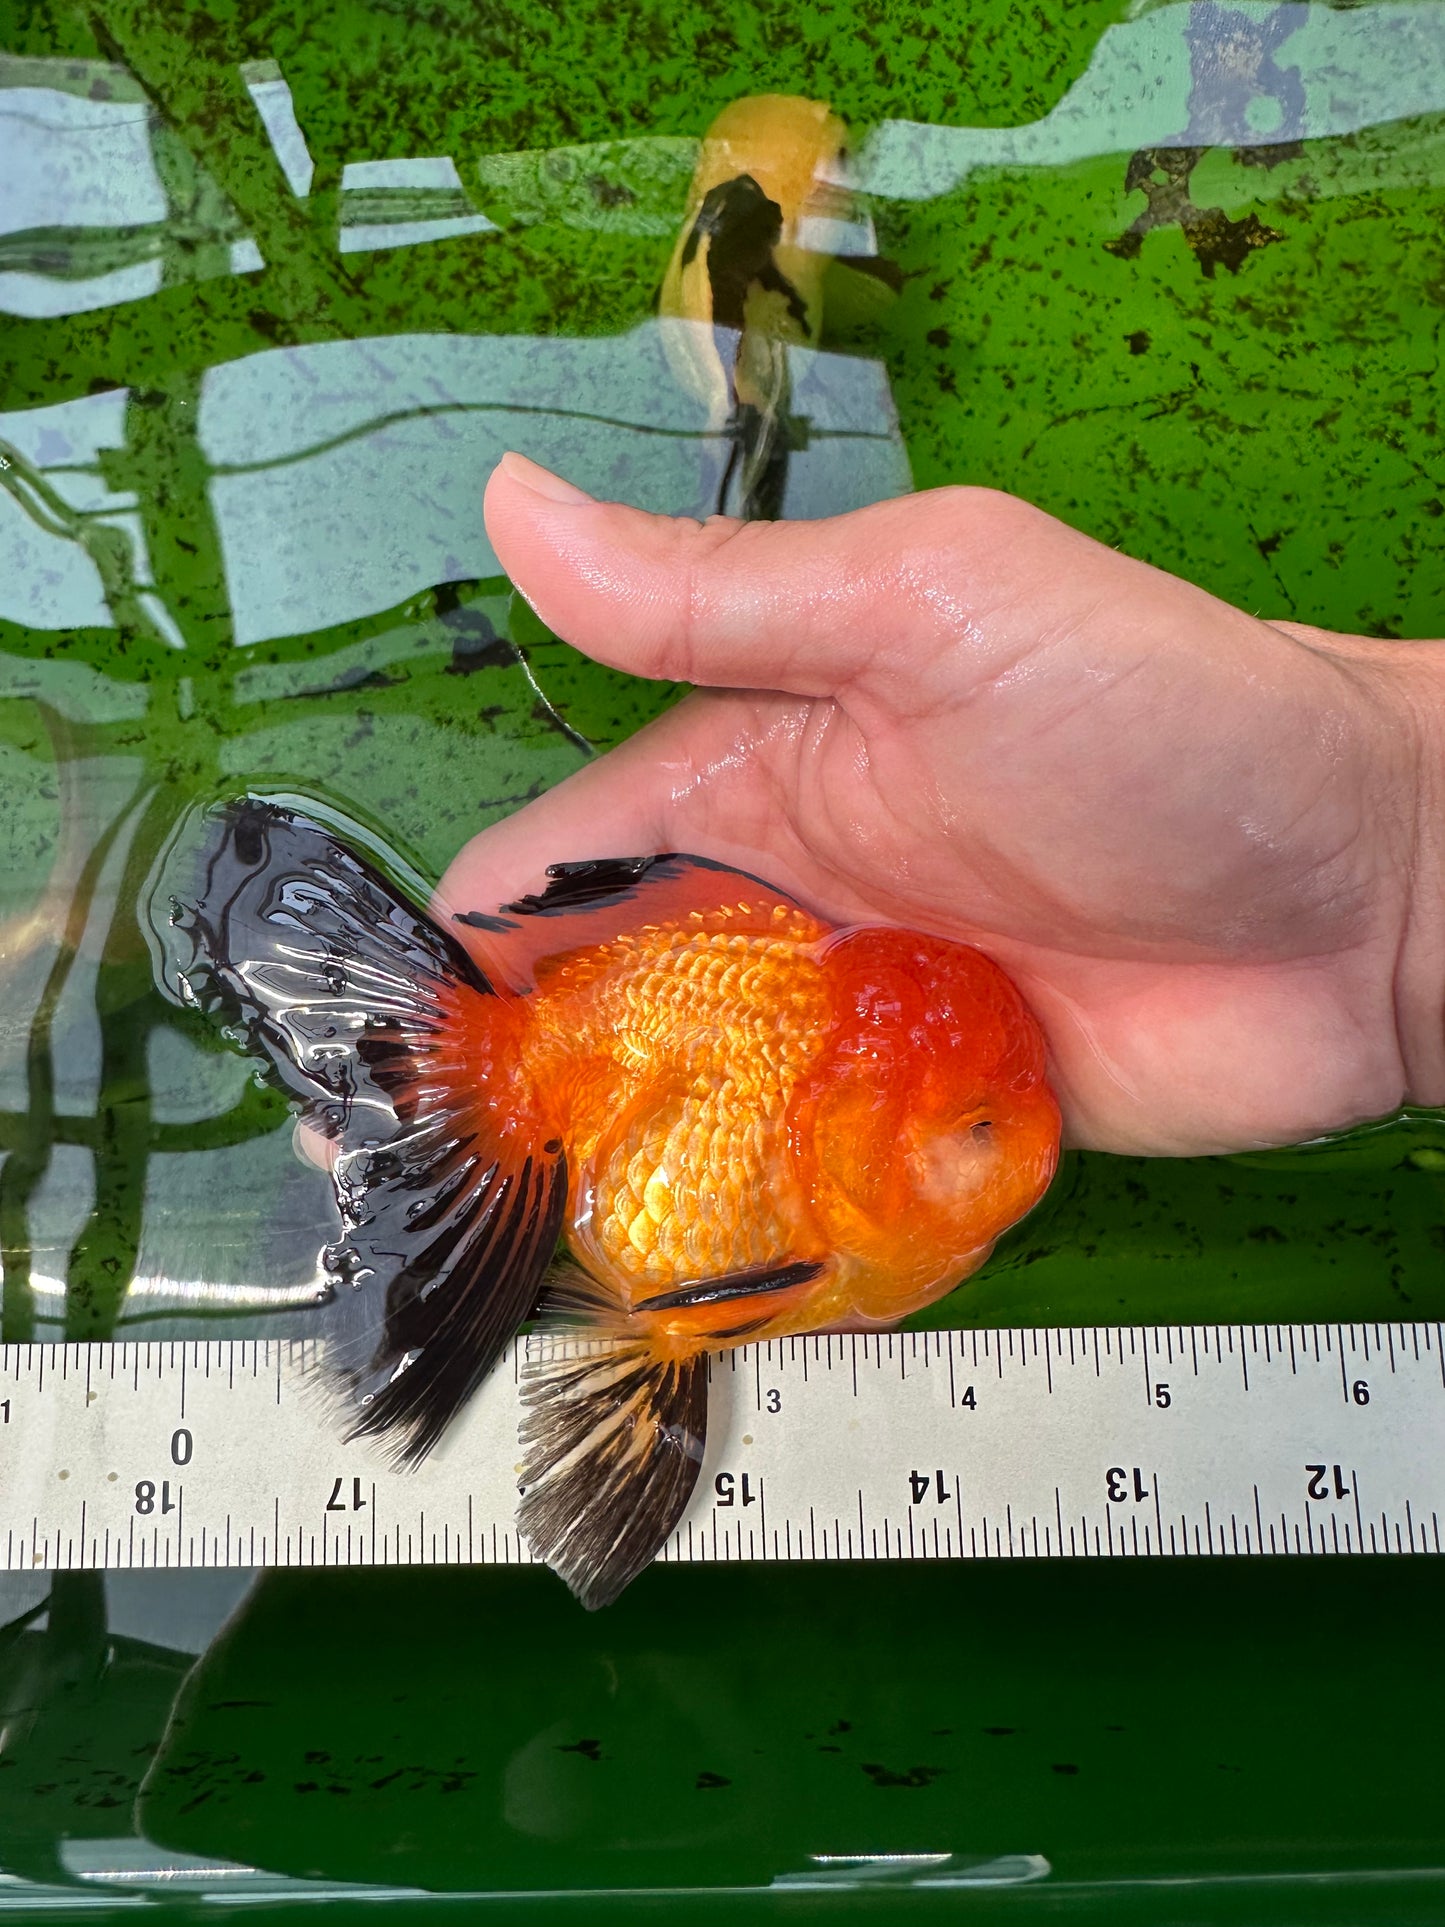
609, 897
737, 209
606, 879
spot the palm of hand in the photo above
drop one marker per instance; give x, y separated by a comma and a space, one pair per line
1176, 826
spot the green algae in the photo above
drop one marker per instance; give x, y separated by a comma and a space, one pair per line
1173, 273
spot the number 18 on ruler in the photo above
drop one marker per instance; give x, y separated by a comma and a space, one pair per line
988, 1444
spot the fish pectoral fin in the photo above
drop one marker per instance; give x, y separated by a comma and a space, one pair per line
361, 1009
611, 1446
738, 1284
858, 291
877, 267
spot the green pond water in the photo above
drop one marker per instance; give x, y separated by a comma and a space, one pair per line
277, 287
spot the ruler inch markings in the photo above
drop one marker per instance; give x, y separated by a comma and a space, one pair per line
1058, 1463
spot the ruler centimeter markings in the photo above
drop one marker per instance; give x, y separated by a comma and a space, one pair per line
1087, 1443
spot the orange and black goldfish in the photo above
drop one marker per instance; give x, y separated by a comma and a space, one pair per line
742, 1122
743, 283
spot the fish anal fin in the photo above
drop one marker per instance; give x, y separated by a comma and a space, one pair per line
612, 1441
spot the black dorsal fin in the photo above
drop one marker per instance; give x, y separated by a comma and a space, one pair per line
733, 210
602, 879
615, 879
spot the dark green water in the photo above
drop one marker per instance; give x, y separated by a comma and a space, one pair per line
279, 285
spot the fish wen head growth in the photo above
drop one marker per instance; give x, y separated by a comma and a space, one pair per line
929, 1120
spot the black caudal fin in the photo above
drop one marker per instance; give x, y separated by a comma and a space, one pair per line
611, 1442
361, 1009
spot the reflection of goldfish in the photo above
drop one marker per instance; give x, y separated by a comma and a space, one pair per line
743, 281
743, 1121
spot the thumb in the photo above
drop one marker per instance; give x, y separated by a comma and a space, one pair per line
802, 607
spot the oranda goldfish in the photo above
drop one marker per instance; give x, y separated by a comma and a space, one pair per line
742, 1121
743, 284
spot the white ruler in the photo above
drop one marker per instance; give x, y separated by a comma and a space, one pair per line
930, 1445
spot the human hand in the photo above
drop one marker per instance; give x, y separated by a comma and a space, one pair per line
1206, 847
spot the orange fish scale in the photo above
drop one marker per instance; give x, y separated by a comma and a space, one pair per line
662, 1213
709, 1029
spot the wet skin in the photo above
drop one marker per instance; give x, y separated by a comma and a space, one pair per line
1205, 846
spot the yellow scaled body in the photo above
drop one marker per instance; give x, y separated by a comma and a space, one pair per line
843, 1121
696, 1042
